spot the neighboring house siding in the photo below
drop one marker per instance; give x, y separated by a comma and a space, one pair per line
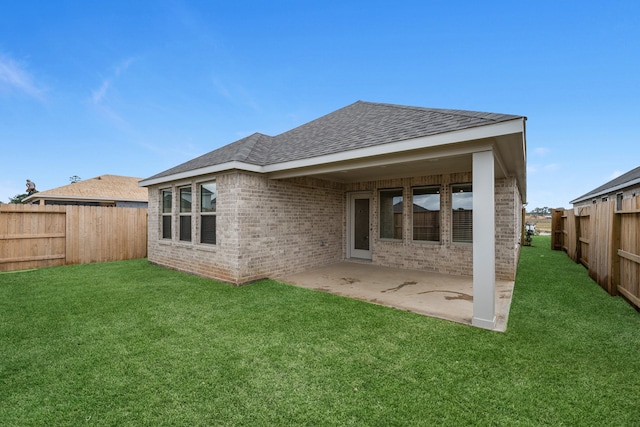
120, 204
272, 228
627, 193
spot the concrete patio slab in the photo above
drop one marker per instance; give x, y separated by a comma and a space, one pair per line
431, 294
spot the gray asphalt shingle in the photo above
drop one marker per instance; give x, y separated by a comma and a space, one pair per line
359, 125
632, 176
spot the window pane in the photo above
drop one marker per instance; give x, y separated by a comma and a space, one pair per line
166, 226
426, 214
166, 201
185, 199
391, 214
208, 196
462, 213
185, 228
208, 229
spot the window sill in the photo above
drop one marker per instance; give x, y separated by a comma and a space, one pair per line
207, 247
427, 242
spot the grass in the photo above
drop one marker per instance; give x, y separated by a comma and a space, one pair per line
128, 343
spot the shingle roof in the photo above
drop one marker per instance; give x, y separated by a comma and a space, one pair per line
630, 178
103, 187
359, 125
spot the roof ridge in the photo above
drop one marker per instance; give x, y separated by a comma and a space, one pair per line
451, 111
249, 145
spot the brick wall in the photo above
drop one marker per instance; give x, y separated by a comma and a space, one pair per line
508, 227
446, 256
288, 226
265, 228
271, 228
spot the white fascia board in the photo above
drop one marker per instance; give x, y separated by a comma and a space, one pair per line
357, 163
202, 171
480, 132
62, 197
607, 191
432, 141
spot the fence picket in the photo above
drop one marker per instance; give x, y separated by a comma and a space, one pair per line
34, 236
608, 241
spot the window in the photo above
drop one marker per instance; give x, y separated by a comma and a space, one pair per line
208, 197
462, 213
185, 214
391, 214
167, 198
619, 198
426, 214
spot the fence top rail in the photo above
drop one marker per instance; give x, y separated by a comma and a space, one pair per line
14, 207
628, 211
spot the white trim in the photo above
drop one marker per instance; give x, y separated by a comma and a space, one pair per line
202, 171
484, 252
442, 143
40, 196
431, 141
351, 251
607, 191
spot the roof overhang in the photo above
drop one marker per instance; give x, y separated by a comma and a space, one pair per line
40, 196
442, 153
609, 190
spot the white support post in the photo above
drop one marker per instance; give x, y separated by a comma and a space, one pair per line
484, 251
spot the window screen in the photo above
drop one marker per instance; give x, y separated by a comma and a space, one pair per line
462, 213
208, 201
391, 214
426, 214
185, 214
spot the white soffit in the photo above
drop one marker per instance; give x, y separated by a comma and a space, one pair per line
448, 144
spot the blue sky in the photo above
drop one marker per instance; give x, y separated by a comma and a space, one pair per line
136, 87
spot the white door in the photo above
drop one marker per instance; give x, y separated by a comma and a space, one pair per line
359, 225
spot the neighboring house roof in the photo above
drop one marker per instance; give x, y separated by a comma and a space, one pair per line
358, 126
626, 180
101, 188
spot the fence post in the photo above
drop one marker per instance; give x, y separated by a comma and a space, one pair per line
578, 250
614, 258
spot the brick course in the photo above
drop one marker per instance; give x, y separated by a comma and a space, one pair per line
271, 228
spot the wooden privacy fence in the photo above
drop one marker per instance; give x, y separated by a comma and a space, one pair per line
33, 236
606, 240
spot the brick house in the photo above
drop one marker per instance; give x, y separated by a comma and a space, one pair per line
408, 187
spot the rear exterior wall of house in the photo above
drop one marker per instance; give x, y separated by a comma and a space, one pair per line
273, 228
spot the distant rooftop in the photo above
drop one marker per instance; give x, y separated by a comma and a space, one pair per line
623, 181
103, 187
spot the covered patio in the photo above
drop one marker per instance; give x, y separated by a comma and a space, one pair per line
431, 294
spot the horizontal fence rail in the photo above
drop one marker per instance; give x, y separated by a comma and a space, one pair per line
33, 236
606, 240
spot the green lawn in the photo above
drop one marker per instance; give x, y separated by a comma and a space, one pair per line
128, 343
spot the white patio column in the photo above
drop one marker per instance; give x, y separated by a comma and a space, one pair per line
484, 252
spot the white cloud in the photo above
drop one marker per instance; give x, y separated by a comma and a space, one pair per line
541, 151
98, 95
14, 77
615, 174
552, 167
123, 66
239, 96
